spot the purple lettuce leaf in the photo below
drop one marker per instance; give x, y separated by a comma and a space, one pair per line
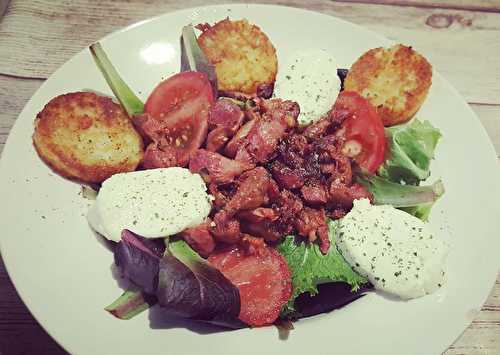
192, 288
138, 259
330, 296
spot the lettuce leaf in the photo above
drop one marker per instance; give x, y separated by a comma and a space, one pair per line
193, 58
128, 99
411, 150
131, 303
190, 287
175, 277
310, 267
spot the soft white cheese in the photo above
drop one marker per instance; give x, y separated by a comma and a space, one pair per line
152, 203
396, 251
309, 78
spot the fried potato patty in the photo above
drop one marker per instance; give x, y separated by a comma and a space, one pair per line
395, 80
243, 55
87, 137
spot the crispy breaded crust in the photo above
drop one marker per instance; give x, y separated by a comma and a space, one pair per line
243, 55
395, 80
86, 137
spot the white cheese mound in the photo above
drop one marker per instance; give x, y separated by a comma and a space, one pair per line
396, 251
152, 203
309, 78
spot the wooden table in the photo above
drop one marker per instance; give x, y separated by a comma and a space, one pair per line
460, 37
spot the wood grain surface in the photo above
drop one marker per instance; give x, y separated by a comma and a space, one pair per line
461, 38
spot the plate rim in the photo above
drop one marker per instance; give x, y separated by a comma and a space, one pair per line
120, 31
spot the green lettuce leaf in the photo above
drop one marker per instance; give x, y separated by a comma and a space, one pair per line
310, 267
131, 303
411, 150
128, 99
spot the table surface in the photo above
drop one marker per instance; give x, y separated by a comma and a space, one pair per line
460, 38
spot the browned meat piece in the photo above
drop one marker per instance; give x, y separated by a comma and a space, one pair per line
324, 240
225, 113
217, 138
259, 215
343, 196
220, 197
289, 205
200, 239
286, 206
336, 213
226, 117
238, 139
225, 228
256, 188
262, 139
282, 110
311, 223
214, 167
252, 245
332, 161
327, 123
314, 194
317, 129
265, 90
270, 231
287, 177
343, 170
253, 112
292, 151
331, 144
154, 157
149, 128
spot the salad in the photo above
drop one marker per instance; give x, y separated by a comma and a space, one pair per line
243, 193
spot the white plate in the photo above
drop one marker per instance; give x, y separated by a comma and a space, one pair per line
63, 273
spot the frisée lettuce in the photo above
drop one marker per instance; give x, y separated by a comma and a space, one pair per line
411, 150
398, 180
310, 267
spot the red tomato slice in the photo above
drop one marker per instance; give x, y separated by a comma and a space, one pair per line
263, 280
363, 130
182, 103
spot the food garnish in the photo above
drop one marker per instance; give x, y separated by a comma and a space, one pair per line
395, 80
87, 137
244, 57
282, 214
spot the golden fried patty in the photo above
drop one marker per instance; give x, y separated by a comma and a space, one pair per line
86, 137
395, 80
243, 55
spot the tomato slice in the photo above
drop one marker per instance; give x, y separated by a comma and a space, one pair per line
182, 103
263, 280
363, 130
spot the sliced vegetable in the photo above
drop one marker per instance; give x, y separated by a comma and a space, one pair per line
421, 211
411, 150
138, 258
263, 280
179, 279
310, 267
130, 102
190, 287
363, 130
416, 200
181, 105
130, 304
193, 58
